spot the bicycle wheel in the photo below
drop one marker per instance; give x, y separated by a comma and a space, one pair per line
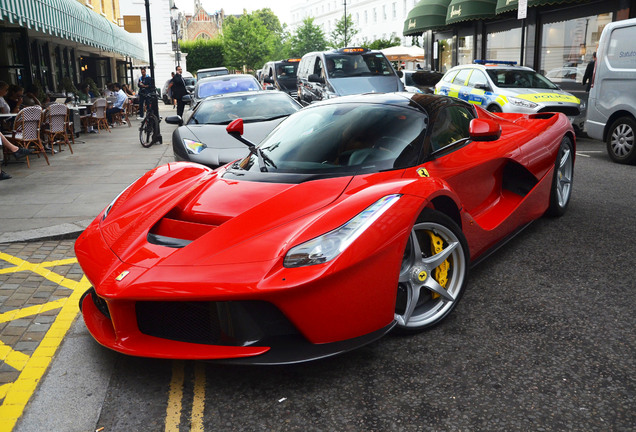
147, 130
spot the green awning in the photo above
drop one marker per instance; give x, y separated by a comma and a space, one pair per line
426, 15
71, 20
512, 5
467, 10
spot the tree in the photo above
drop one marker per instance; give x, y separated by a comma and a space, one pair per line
341, 38
246, 42
203, 53
379, 44
307, 38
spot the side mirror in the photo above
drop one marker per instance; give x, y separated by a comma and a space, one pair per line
187, 98
482, 86
400, 74
482, 129
269, 80
175, 119
235, 128
316, 78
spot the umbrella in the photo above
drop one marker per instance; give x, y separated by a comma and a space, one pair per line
398, 53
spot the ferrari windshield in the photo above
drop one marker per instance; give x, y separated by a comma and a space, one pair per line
249, 107
519, 78
342, 138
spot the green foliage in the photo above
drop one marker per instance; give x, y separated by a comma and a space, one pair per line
68, 85
307, 38
247, 42
203, 53
379, 44
93, 87
339, 38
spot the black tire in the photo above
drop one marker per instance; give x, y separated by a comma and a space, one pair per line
561, 190
147, 130
494, 108
621, 144
433, 274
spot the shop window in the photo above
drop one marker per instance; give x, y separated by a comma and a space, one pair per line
570, 45
504, 45
445, 54
465, 49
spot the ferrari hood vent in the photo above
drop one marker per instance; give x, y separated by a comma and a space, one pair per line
177, 233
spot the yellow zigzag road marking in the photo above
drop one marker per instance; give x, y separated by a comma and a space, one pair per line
17, 394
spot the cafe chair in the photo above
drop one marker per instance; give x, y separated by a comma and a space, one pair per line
120, 117
55, 130
98, 118
26, 131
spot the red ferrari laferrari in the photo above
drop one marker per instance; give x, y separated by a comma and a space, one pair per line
355, 216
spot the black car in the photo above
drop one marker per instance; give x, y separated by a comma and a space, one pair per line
281, 75
204, 139
346, 71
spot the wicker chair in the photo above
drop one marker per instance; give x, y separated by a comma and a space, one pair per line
120, 117
26, 131
98, 118
55, 129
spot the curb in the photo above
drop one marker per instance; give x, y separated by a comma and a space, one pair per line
66, 231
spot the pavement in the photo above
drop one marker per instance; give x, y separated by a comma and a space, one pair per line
58, 201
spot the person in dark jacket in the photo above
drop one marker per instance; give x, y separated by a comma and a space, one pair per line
589, 71
178, 90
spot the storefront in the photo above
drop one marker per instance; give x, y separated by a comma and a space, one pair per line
556, 39
51, 44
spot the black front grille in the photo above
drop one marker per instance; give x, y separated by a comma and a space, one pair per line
212, 323
567, 110
101, 304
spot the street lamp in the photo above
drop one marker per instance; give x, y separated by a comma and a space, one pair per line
174, 12
344, 2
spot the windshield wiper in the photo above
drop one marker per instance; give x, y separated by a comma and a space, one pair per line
262, 158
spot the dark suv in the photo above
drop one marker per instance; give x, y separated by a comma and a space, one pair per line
281, 75
328, 74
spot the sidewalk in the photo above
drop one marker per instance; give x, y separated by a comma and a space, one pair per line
60, 200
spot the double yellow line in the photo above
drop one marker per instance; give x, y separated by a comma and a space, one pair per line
176, 397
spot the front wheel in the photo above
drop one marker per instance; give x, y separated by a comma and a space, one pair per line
494, 108
620, 141
562, 180
147, 130
433, 274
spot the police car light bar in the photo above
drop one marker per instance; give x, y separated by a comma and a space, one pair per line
483, 62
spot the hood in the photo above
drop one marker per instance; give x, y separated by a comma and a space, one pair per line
359, 85
541, 96
212, 215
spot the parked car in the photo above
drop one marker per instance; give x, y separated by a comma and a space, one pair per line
223, 84
346, 71
190, 82
355, 216
501, 86
281, 75
203, 139
210, 72
420, 81
611, 115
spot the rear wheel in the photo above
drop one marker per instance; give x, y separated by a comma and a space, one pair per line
433, 274
562, 179
147, 130
620, 141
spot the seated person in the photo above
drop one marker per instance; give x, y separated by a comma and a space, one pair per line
16, 151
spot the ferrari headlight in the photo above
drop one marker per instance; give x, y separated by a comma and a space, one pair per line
328, 246
112, 203
194, 147
522, 102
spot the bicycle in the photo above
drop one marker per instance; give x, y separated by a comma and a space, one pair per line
149, 132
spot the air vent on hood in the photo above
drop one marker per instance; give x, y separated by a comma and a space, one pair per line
177, 233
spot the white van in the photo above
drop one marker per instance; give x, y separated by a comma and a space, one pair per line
611, 112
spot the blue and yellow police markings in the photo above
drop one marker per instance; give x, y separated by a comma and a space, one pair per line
15, 395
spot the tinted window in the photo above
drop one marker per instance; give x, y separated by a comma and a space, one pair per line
286, 70
451, 125
519, 78
344, 138
222, 110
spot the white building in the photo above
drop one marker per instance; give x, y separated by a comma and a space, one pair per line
164, 56
375, 19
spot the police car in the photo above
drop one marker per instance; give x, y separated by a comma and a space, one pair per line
500, 86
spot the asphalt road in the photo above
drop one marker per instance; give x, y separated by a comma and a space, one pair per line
543, 339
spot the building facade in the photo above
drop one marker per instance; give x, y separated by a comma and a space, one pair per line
201, 24
374, 19
52, 44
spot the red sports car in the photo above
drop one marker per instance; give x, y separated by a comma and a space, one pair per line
355, 216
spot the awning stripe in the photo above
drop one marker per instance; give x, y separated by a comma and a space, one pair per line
70, 19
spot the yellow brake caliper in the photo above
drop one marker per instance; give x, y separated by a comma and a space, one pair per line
441, 272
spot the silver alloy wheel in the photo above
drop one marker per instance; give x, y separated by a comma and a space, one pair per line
622, 140
417, 276
564, 175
